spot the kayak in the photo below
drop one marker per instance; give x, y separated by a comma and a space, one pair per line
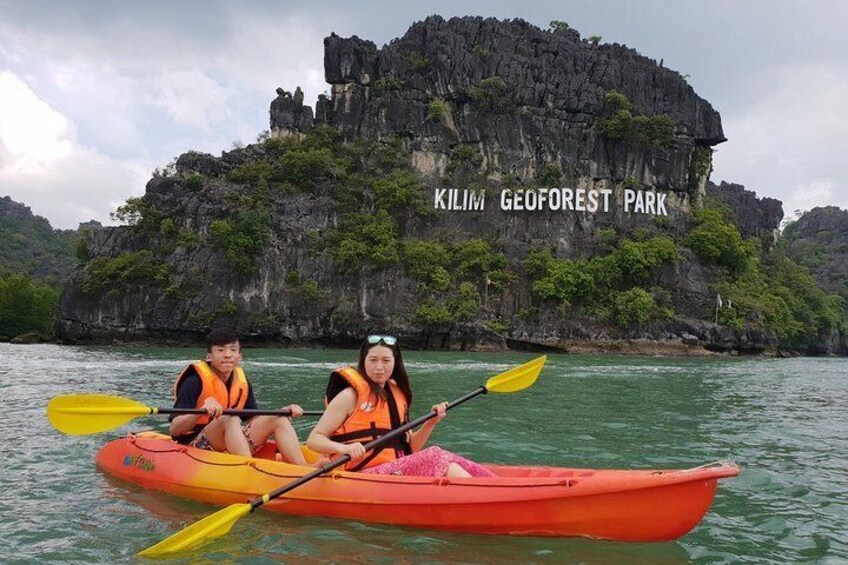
623, 505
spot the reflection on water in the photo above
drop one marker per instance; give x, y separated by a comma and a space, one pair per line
781, 420
289, 539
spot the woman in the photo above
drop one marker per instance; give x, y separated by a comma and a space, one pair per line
368, 401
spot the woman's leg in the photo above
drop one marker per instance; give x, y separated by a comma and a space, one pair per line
432, 462
456, 470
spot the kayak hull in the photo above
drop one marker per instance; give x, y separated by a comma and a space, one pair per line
637, 506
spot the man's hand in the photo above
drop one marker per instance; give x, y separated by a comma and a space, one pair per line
296, 410
213, 408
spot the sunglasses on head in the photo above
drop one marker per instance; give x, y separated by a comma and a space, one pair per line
375, 339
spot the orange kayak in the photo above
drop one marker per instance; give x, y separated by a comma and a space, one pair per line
645, 505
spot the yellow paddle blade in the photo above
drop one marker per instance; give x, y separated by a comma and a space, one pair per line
210, 527
78, 414
517, 378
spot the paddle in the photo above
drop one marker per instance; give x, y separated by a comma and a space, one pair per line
79, 414
219, 523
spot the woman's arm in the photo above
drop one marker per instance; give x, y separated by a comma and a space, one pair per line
420, 437
339, 410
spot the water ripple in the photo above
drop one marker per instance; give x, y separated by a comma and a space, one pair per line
781, 419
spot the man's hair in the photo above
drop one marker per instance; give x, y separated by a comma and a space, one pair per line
220, 336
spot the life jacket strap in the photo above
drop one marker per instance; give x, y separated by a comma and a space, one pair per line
398, 420
370, 434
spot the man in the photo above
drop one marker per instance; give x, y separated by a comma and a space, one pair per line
218, 383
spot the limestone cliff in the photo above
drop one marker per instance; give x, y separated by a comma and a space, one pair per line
30, 246
819, 241
755, 217
476, 183
553, 92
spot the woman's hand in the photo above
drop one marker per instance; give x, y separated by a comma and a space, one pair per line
295, 409
441, 409
213, 408
355, 450
420, 437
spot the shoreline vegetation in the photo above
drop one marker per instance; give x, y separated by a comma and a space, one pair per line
623, 347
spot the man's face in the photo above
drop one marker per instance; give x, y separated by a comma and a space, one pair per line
224, 358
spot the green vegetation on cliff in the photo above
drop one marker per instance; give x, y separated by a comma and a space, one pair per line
618, 287
621, 123
35, 259
451, 277
374, 206
243, 239
103, 274
491, 95
818, 240
716, 240
30, 246
769, 290
26, 306
364, 240
368, 182
778, 294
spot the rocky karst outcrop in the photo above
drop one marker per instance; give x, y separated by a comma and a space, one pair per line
753, 216
819, 241
30, 246
288, 114
554, 91
413, 133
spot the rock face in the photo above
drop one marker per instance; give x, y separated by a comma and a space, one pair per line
819, 241
30, 246
27, 338
476, 105
288, 114
753, 216
554, 90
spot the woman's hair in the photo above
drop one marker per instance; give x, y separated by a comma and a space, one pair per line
398, 374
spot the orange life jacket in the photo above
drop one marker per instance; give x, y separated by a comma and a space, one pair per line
372, 418
214, 387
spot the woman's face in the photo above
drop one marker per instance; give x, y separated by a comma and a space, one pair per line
379, 364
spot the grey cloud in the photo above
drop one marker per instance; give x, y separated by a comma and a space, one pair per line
732, 52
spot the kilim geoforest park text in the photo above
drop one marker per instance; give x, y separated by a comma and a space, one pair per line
565, 199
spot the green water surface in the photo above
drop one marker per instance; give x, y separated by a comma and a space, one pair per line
782, 420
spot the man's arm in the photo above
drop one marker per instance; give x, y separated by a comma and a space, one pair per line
187, 396
250, 404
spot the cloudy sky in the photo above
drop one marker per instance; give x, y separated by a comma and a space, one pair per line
95, 95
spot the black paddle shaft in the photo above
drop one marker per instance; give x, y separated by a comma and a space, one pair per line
249, 413
259, 501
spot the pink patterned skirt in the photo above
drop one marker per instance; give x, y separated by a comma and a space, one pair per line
431, 462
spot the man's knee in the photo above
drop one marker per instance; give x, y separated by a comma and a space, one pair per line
231, 423
284, 423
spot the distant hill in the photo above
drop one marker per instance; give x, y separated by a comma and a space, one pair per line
30, 246
818, 240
